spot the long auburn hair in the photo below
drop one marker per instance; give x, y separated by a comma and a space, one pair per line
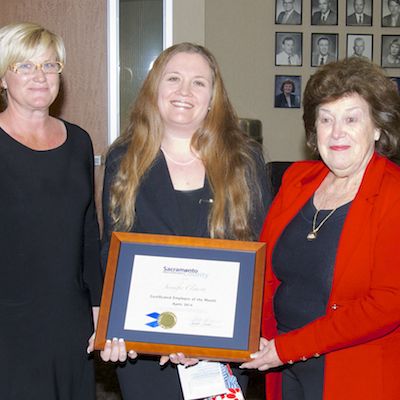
225, 150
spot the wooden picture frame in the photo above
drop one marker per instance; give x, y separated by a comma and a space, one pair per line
123, 274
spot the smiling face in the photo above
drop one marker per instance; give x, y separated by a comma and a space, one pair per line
359, 47
346, 135
184, 93
288, 5
287, 88
324, 5
35, 92
323, 46
394, 49
288, 46
359, 6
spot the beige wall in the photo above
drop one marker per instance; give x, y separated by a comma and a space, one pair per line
188, 21
241, 34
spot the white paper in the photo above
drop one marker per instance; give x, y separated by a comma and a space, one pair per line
201, 294
202, 380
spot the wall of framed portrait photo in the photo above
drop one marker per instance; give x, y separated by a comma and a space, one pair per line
261, 44
333, 29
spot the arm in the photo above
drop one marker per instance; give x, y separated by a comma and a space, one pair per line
362, 317
115, 349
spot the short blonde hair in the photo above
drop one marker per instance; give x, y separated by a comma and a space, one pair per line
23, 41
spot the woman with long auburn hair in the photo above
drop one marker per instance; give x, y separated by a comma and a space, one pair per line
182, 167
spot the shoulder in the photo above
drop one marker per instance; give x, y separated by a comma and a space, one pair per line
301, 170
392, 176
115, 155
77, 135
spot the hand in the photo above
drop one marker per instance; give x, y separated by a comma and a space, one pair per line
95, 312
266, 358
115, 350
178, 358
90, 347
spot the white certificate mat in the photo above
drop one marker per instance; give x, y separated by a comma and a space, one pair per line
194, 296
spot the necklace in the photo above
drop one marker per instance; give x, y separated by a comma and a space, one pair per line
178, 162
315, 228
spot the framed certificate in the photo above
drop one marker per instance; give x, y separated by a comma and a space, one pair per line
167, 294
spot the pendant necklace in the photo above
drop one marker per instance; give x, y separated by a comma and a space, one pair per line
315, 228
178, 162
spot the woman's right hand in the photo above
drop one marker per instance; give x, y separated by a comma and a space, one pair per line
115, 350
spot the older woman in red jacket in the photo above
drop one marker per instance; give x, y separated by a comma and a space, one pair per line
331, 325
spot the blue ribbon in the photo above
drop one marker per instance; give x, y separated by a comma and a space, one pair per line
155, 316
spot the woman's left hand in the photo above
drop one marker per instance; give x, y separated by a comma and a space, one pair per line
266, 358
178, 358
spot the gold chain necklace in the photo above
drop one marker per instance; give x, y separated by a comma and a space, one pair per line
315, 228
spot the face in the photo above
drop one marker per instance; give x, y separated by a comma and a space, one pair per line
394, 49
288, 5
359, 6
359, 47
346, 135
32, 92
288, 46
287, 88
324, 5
394, 7
184, 93
323, 47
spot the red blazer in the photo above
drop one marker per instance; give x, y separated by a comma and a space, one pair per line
360, 333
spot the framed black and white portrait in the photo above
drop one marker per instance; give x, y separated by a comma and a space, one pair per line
288, 48
288, 12
324, 48
287, 91
391, 13
324, 12
359, 12
359, 45
390, 51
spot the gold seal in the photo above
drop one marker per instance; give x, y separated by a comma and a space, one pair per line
167, 320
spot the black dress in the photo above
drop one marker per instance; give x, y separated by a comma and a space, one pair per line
160, 210
50, 270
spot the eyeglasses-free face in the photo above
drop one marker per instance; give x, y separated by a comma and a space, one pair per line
29, 68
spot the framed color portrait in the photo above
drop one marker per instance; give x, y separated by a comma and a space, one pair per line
287, 91
288, 12
396, 82
359, 45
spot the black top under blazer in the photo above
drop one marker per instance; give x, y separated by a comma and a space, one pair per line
157, 208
